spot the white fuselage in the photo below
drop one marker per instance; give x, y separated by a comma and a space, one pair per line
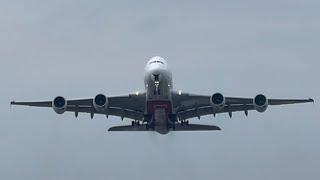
158, 79
158, 84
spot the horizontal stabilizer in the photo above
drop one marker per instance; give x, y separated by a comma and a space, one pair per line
197, 127
129, 128
190, 127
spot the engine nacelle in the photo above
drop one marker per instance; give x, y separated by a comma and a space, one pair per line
59, 105
217, 101
100, 103
260, 103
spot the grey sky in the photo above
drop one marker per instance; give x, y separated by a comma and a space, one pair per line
82, 48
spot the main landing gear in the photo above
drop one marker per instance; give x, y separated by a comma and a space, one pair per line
171, 123
135, 123
184, 122
150, 125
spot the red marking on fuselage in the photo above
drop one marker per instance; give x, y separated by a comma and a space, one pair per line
160, 111
152, 105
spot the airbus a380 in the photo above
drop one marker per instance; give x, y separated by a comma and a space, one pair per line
160, 108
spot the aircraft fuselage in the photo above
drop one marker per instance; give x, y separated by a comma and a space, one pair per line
158, 85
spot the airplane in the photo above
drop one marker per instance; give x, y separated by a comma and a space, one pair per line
160, 108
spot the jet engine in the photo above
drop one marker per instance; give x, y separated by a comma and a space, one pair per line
217, 101
260, 103
100, 103
59, 105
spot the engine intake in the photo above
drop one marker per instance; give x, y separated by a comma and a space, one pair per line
59, 105
260, 103
217, 101
100, 102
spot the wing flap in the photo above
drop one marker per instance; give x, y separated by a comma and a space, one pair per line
208, 110
123, 113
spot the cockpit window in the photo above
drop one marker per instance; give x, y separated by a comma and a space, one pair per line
152, 62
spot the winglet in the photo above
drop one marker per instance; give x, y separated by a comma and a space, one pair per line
11, 103
311, 100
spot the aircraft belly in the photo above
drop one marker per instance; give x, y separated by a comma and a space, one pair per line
160, 111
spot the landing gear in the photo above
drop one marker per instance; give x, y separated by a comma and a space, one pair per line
150, 126
135, 123
156, 92
184, 122
171, 123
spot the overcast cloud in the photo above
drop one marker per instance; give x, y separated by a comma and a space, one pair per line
82, 48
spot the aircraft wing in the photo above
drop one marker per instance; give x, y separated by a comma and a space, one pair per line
129, 106
190, 106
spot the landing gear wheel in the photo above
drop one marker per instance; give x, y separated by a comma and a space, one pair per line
132, 123
183, 123
150, 126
